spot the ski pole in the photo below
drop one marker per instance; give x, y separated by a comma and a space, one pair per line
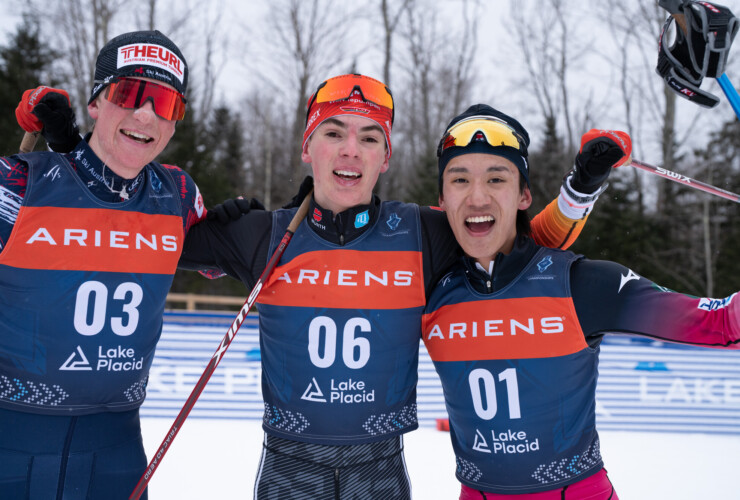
28, 142
730, 92
686, 181
225, 342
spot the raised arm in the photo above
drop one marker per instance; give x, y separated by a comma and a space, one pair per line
560, 223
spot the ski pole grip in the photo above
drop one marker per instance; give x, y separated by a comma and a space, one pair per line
301, 213
28, 142
681, 21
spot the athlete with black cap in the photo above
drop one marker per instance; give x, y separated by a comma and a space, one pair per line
89, 244
514, 328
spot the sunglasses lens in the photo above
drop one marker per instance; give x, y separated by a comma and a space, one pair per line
341, 87
131, 94
123, 93
493, 132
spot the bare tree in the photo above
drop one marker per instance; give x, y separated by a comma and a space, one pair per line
78, 28
267, 156
391, 21
438, 76
550, 36
650, 114
309, 39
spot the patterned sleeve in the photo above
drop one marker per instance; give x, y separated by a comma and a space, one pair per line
552, 228
193, 208
13, 182
611, 298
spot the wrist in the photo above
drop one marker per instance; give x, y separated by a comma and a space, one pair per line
576, 204
65, 145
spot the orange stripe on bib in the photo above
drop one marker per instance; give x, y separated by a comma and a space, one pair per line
94, 239
535, 327
348, 279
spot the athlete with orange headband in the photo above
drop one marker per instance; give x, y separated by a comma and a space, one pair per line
89, 244
340, 317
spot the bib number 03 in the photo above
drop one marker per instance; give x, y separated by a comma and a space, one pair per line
322, 342
91, 308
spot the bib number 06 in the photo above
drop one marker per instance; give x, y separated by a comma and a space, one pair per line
91, 308
322, 342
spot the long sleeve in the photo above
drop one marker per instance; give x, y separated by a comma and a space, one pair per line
611, 298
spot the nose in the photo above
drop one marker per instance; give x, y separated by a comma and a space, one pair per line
350, 146
145, 112
478, 195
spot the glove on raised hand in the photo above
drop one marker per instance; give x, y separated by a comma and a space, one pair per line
232, 209
48, 110
601, 150
306, 187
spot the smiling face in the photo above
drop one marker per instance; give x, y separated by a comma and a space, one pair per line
481, 195
127, 139
347, 155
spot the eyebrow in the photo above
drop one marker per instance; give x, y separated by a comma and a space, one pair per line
341, 124
493, 168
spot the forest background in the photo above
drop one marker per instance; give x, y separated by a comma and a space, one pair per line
561, 67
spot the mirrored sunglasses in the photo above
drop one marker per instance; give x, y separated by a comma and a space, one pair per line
132, 93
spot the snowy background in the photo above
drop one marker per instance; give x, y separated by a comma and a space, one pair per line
683, 404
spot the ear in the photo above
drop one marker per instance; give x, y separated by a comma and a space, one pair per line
526, 199
386, 166
93, 110
305, 155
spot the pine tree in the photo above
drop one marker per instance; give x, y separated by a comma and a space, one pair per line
212, 155
23, 64
547, 167
722, 169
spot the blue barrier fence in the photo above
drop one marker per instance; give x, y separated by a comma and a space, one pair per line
643, 385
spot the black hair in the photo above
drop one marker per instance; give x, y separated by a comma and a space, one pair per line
523, 227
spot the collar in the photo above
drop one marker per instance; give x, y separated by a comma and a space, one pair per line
505, 268
344, 226
103, 182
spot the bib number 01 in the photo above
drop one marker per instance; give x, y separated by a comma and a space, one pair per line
91, 308
322, 342
482, 383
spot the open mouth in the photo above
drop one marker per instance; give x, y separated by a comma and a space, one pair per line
143, 139
347, 175
479, 223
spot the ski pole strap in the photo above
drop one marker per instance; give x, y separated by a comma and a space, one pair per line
683, 87
700, 52
711, 31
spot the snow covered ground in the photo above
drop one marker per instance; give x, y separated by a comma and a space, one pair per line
217, 459
669, 418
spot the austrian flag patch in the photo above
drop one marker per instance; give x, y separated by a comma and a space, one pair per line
151, 55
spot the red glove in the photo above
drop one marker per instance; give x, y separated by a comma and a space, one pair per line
24, 112
622, 140
601, 150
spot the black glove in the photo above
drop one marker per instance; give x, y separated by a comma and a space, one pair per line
60, 126
306, 187
601, 150
232, 209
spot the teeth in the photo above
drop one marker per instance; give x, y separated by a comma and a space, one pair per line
480, 218
347, 173
134, 135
